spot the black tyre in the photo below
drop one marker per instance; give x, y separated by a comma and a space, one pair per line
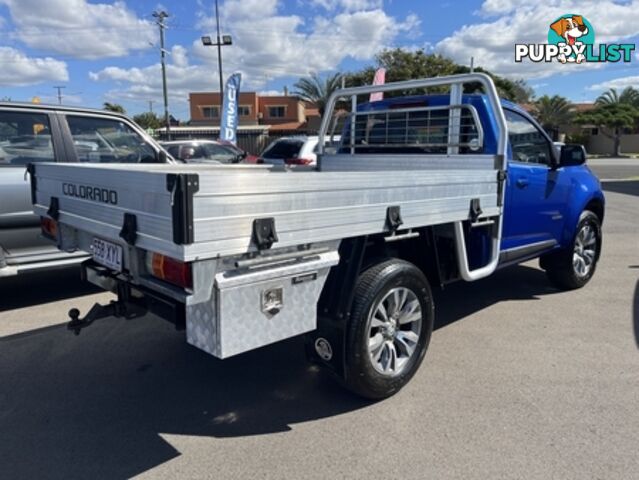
390, 327
574, 267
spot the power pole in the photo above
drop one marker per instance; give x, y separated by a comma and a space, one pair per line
161, 15
59, 89
151, 106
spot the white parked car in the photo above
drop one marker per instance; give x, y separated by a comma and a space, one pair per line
295, 150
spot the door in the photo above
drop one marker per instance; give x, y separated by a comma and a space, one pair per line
98, 139
25, 137
535, 197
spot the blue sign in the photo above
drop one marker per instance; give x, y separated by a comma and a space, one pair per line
228, 126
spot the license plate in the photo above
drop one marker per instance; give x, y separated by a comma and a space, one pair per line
107, 254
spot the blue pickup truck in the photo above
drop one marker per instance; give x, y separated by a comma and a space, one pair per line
412, 191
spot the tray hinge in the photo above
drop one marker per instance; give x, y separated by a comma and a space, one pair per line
501, 179
475, 209
54, 208
129, 230
183, 187
31, 168
264, 233
393, 218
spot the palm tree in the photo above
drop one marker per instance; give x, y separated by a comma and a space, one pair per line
317, 90
553, 112
628, 96
114, 107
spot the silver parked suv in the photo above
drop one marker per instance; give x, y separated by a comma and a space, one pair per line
37, 133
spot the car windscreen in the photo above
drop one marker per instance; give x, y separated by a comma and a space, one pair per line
219, 153
284, 149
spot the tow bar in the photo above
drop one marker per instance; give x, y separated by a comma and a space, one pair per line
132, 302
124, 307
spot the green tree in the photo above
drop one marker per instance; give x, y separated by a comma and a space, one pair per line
628, 96
403, 64
148, 120
317, 90
114, 107
552, 112
614, 117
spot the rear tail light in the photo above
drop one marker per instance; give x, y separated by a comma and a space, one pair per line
298, 161
170, 270
49, 227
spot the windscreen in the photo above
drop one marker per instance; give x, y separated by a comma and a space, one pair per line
283, 149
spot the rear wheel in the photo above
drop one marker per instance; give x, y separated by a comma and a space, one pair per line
574, 267
390, 327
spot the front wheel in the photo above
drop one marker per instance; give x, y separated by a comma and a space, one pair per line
573, 267
390, 327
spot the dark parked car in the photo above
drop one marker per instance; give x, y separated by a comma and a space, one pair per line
208, 151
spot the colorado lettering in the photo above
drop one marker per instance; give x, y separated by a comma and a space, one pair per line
87, 192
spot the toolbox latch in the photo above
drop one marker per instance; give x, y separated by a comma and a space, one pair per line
264, 233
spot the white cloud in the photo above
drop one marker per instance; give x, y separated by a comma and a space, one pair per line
80, 29
141, 84
266, 45
618, 83
492, 42
348, 5
493, 7
18, 70
273, 45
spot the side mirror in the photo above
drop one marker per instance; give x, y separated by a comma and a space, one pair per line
572, 155
162, 157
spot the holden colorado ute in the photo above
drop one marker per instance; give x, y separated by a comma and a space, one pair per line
422, 190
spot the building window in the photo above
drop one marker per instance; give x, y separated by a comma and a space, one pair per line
244, 110
211, 112
278, 111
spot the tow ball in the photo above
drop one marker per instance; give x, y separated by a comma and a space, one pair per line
117, 309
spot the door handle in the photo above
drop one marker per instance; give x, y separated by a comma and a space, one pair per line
522, 182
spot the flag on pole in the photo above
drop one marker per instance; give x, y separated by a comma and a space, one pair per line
379, 79
228, 125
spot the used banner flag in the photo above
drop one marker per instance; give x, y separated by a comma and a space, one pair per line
228, 125
379, 79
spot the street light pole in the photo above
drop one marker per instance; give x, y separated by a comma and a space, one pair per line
219, 50
161, 16
221, 41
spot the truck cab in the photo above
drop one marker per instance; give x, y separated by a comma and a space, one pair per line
547, 190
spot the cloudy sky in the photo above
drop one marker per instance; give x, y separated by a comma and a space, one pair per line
108, 51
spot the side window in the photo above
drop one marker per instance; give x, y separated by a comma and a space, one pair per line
528, 144
104, 140
174, 150
24, 138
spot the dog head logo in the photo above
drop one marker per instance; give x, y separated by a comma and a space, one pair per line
574, 31
570, 28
